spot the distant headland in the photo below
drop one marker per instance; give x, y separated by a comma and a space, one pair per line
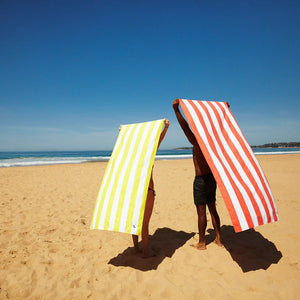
269, 145
183, 148
279, 145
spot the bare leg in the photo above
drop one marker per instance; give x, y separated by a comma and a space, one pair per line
202, 222
135, 240
216, 222
145, 228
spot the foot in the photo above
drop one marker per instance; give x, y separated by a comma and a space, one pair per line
218, 242
199, 246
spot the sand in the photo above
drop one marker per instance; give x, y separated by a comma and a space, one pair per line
47, 250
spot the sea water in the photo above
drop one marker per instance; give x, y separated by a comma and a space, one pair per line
16, 159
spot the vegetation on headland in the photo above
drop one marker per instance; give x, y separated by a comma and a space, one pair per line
279, 145
269, 145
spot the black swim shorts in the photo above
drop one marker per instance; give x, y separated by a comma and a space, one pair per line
204, 189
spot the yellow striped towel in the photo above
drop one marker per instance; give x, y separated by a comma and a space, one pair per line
122, 197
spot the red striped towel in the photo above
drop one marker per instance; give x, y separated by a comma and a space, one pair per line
240, 178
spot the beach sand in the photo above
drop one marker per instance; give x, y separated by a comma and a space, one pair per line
47, 250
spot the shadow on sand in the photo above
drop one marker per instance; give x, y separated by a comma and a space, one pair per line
249, 249
164, 242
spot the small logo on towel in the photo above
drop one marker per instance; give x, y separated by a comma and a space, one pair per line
133, 226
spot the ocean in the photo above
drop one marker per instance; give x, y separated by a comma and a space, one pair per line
17, 159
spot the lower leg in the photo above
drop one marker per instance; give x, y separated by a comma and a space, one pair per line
216, 222
145, 241
135, 240
202, 222
145, 227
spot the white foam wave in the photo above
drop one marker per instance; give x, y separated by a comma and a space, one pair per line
33, 161
170, 157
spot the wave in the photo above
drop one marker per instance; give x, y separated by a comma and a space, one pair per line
34, 161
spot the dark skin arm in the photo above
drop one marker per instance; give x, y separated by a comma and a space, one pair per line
183, 123
200, 164
163, 133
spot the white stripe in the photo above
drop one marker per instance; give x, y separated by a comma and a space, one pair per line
235, 202
116, 148
121, 178
112, 181
131, 179
137, 208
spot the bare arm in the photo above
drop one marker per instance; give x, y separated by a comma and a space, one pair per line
163, 133
183, 123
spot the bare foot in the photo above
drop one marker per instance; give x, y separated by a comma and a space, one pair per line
218, 242
199, 246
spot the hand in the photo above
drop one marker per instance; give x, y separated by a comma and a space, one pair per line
167, 123
176, 103
227, 104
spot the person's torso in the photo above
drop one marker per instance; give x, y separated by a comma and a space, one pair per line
201, 166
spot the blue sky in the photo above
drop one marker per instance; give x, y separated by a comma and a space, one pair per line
72, 71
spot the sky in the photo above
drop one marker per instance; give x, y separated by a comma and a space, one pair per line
72, 71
